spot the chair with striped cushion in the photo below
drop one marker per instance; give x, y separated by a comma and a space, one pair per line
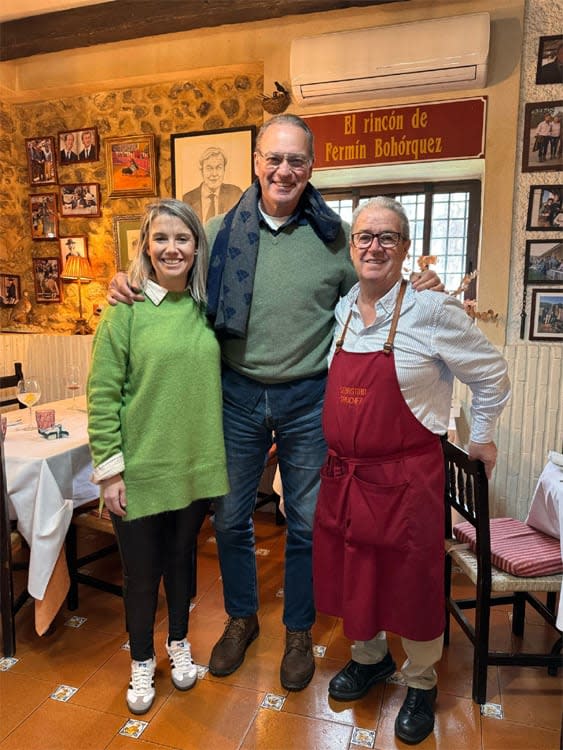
507, 561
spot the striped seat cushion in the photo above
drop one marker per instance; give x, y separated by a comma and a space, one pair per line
517, 548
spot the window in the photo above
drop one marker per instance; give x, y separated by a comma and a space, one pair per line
444, 220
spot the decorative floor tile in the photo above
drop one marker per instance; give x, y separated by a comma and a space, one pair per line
262, 552
397, 679
126, 646
133, 728
279, 593
63, 693
202, 670
192, 605
319, 651
492, 710
7, 663
211, 540
363, 737
273, 701
75, 621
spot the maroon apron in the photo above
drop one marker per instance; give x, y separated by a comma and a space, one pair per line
378, 541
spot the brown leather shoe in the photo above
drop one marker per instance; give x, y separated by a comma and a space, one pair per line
228, 653
298, 665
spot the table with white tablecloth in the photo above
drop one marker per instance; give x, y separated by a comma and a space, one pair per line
546, 509
46, 480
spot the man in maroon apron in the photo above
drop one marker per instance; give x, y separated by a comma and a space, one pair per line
378, 537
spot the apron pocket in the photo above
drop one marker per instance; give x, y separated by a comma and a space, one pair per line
378, 515
331, 502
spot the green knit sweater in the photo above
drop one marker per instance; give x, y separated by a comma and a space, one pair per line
297, 284
154, 394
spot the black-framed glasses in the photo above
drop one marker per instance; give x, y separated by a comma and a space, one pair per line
386, 240
297, 162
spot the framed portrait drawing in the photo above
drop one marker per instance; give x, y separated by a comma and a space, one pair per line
78, 146
131, 165
550, 60
545, 208
80, 199
542, 137
75, 245
126, 231
10, 289
211, 169
544, 262
44, 218
41, 162
546, 319
47, 279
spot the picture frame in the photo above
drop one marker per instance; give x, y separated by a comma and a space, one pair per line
47, 279
197, 170
543, 263
126, 230
546, 318
538, 149
131, 165
545, 208
80, 199
10, 289
41, 160
78, 146
43, 216
76, 244
550, 56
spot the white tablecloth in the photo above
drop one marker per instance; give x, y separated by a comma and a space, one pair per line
46, 479
546, 509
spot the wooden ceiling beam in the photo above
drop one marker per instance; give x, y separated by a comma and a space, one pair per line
133, 19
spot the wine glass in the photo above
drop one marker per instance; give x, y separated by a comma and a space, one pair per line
73, 382
28, 393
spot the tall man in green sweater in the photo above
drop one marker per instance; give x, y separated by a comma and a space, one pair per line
279, 265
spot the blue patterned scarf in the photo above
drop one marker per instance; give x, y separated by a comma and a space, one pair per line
233, 257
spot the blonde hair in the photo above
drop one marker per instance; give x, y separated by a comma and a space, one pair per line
140, 269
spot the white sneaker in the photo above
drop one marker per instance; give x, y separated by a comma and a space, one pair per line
184, 671
141, 692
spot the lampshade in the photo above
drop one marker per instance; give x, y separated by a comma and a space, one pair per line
77, 268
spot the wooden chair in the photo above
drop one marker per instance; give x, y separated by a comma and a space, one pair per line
466, 491
11, 381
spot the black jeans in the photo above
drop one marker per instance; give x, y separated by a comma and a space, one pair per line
161, 546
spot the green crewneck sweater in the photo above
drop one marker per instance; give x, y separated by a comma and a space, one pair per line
297, 284
154, 394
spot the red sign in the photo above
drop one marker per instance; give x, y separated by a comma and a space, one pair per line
389, 135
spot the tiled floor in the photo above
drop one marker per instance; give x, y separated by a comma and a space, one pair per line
249, 710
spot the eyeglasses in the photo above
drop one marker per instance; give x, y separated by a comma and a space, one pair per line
386, 240
296, 162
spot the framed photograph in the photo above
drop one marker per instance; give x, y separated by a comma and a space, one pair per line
126, 231
544, 262
41, 164
44, 219
75, 245
47, 278
10, 289
212, 168
542, 137
550, 60
546, 320
78, 146
131, 165
545, 208
80, 199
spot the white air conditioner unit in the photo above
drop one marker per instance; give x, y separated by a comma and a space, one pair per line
403, 59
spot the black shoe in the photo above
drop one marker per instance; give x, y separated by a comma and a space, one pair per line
355, 679
416, 717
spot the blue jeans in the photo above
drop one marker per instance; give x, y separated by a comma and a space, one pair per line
252, 411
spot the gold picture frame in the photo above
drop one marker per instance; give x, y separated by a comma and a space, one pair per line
126, 231
131, 166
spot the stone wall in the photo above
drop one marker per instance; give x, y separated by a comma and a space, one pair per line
231, 99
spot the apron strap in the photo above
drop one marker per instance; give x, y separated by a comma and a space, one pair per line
388, 345
340, 340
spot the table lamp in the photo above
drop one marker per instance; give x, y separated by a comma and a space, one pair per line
79, 269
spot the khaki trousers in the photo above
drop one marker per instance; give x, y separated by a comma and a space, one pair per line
418, 669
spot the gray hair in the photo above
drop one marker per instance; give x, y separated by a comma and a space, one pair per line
140, 269
287, 119
383, 201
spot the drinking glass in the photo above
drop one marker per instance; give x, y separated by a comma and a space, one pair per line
73, 382
29, 393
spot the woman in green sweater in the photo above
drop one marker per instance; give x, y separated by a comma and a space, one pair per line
156, 435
